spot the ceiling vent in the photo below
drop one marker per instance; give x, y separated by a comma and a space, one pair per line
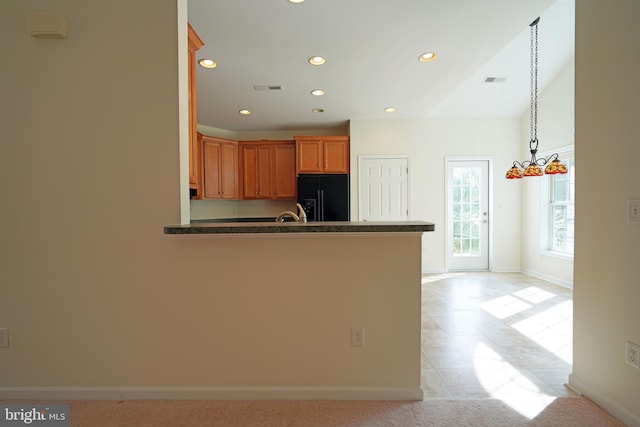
267, 87
494, 79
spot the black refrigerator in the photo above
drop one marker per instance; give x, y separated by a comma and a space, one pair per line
324, 197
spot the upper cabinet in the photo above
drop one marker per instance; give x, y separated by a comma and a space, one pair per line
322, 154
268, 169
220, 168
284, 175
195, 155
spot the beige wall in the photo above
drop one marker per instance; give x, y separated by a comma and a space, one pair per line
607, 267
555, 131
92, 291
428, 143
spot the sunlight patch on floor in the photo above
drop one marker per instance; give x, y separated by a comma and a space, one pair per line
534, 295
551, 329
505, 306
503, 381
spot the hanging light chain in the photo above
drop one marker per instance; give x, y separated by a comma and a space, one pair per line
534, 87
535, 84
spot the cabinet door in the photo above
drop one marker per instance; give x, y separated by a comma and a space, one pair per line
249, 172
212, 185
264, 173
336, 156
309, 156
284, 171
229, 171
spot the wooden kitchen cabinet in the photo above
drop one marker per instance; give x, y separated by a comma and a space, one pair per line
256, 172
322, 154
195, 155
284, 175
219, 168
268, 170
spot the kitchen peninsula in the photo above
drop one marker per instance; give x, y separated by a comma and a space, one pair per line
298, 227
301, 290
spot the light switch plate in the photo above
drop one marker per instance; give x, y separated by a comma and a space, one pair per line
633, 210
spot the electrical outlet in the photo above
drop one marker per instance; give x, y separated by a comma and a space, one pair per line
4, 337
633, 354
633, 213
357, 336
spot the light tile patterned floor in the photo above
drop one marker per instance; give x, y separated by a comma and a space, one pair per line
503, 335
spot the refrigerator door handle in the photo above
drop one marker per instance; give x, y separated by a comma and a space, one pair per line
321, 201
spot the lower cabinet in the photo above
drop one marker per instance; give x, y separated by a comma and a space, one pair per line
268, 169
220, 168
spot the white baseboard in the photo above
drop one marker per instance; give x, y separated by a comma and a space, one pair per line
506, 269
613, 408
210, 393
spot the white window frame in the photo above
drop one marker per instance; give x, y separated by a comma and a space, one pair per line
546, 213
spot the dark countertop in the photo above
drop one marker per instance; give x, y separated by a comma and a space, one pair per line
245, 219
299, 227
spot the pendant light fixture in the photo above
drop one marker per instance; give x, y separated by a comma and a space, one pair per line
532, 167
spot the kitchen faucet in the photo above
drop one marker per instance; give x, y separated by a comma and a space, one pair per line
300, 217
302, 214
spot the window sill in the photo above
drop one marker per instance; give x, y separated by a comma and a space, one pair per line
557, 255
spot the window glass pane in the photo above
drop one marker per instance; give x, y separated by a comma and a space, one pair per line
560, 188
464, 210
562, 209
465, 229
475, 212
475, 247
465, 246
456, 194
456, 229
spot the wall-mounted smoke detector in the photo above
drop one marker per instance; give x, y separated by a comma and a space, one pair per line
267, 87
494, 79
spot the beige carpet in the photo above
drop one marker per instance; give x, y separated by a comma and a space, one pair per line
563, 412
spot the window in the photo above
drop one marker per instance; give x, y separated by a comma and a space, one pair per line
562, 193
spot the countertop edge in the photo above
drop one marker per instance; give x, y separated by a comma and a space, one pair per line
309, 227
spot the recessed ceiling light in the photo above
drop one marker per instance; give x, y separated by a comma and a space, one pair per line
317, 110
317, 60
317, 92
389, 109
207, 63
296, 1
244, 112
426, 57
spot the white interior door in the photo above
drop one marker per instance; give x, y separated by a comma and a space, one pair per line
468, 215
383, 188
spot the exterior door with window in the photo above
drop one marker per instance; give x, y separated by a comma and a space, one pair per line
468, 215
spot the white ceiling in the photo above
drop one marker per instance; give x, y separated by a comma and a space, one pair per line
372, 49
